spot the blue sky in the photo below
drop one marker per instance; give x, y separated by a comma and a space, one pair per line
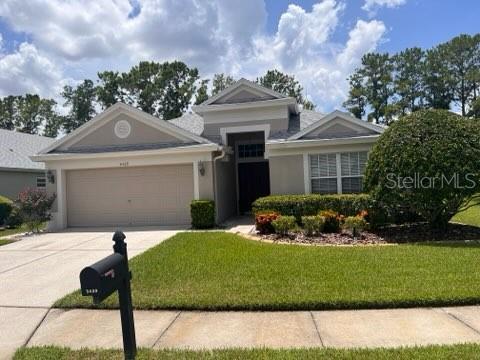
47, 44
422, 23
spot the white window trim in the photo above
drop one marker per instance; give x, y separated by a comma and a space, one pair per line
307, 170
44, 179
243, 129
250, 159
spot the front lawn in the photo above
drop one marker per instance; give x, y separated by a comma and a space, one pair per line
7, 231
465, 351
5, 242
221, 271
471, 216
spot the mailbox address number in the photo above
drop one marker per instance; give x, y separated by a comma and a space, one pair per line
124, 164
91, 291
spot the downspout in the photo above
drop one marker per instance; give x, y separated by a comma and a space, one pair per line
214, 167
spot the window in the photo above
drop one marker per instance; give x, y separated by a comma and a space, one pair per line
41, 182
337, 173
353, 167
246, 151
323, 170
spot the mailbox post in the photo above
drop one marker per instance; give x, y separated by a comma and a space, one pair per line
105, 277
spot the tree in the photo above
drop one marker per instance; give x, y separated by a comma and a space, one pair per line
164, 90
357, 100
376, 72
474, 109
178, 89
286, 85
7, 112
221, 82
202, 92
81, 100
437, 81
408, 84
109, 90
460, 56
415, 165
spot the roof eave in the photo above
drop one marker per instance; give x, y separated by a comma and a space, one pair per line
126, 154
288, 144
203, 109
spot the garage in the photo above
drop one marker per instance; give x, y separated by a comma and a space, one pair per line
130, 196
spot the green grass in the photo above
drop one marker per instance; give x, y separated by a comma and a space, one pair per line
222, 271
471, 216
5, 242
464, 351
7, 232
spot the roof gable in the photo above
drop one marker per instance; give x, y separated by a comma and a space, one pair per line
122, 125
243, 91
337, 124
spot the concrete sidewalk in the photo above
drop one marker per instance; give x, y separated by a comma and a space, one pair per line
209, 330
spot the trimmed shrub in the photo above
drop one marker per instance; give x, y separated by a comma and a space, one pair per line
283, 224
34, 207
312, 204
355, 224
15, 219
426, 163
263, 222
332, 221
202, 213
313, 224
6, 206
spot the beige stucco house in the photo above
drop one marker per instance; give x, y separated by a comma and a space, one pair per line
17, 170
126, 167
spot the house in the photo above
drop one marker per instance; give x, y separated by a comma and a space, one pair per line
17, 170
126, 167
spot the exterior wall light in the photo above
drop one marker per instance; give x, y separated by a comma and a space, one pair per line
201, 168
50, 177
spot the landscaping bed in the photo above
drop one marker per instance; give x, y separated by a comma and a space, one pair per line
394, 234
463, 351
223, 271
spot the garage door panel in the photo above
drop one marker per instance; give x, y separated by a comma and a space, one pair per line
155, 195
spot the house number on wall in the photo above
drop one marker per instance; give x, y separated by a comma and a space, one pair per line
124, 164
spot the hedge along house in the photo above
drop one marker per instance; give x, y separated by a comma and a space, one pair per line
126, 167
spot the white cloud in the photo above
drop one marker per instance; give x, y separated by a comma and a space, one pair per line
26, 70
372, 5
76, 39
363, 38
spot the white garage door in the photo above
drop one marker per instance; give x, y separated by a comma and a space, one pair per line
152, 195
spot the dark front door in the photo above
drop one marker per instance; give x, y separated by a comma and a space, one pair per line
253, 182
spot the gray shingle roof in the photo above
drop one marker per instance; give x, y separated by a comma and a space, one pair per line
16, 147
189, 121
194, 123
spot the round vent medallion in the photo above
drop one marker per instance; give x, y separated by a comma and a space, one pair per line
122, 129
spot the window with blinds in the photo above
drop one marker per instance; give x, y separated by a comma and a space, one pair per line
353, 167
325, 178
323, 172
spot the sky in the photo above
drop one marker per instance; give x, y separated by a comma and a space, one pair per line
46, 44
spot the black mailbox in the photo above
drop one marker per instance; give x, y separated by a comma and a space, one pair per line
104, 277
107, 276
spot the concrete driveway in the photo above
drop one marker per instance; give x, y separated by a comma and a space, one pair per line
38, 270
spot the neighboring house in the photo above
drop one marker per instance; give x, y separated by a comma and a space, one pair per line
126, 167
17, 170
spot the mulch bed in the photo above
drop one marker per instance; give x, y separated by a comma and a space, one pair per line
394, 234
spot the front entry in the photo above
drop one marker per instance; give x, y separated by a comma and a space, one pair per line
253, 182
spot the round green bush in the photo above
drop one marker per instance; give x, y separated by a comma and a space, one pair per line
5, 209
427, 162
